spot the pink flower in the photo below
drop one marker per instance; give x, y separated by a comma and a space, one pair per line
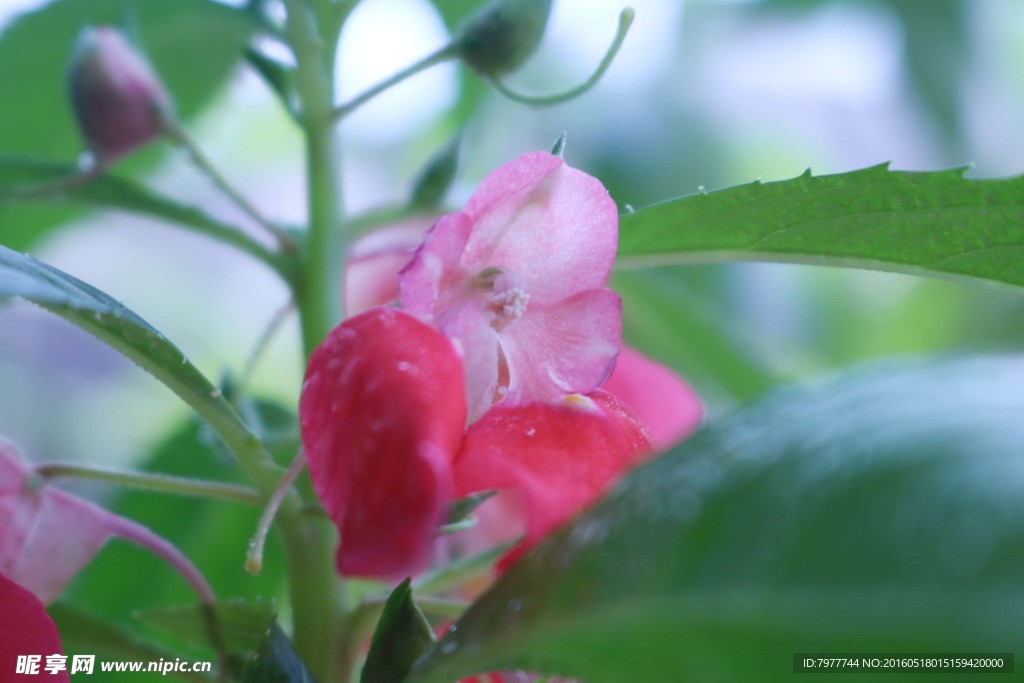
383, 410
517, 278
26, 629
505, 300
48, 535
383, 414
660, 399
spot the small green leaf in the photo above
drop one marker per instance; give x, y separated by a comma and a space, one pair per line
460, 513
242, 624
464, 569
437, 177
402, 635
275, 74
920, 223
276, 661
879, 512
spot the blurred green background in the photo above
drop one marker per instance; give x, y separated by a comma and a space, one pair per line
704, 94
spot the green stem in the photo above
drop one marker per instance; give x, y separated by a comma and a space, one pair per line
163, 483
444, 54
625, 21
320, 295
319, 612
179, 137
63, 183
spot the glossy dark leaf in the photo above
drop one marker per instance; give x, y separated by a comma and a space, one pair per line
402, 635
879, 512
276, 661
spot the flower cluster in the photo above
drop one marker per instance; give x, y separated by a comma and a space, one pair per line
498, 371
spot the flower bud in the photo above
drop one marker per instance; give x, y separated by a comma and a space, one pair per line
118, 99
503, 34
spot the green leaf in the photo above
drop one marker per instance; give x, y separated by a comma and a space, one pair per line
923, 223
882, 512
277, 75
242, 624
82, 632
460, 512
434, 181
276, 661
193, 44
402, 635
121, 329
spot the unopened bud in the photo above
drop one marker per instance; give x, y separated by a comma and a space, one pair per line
503, 34
118, 99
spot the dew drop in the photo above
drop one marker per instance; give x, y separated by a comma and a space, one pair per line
514, 605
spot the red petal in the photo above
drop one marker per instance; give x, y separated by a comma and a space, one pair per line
383, 409
559, 458
25, 629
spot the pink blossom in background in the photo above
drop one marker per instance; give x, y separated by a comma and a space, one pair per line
25, 629
48, 535
518, 279
374, 261
665, 404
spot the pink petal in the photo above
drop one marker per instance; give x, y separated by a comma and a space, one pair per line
469, 326
567, 347
434, 280
659, 398
552, 225
48, 535
382, 411
558, 458
371, 274
25, 629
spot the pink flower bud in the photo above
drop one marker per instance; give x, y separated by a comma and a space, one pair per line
118, 99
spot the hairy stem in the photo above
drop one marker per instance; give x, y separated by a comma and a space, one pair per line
164, 483
318, 606
254, 559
